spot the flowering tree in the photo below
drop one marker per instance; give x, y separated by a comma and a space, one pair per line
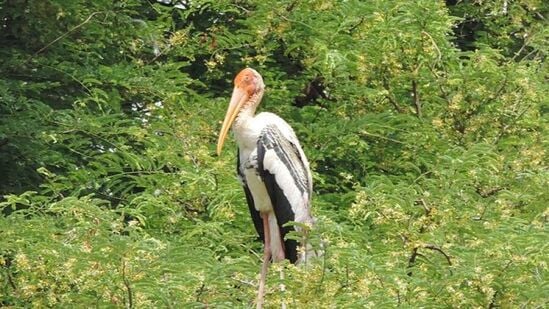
424, 121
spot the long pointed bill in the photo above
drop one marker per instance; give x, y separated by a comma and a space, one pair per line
238, 99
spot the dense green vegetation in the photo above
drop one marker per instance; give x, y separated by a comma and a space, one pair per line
426, 124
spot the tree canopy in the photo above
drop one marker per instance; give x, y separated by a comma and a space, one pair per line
425, 122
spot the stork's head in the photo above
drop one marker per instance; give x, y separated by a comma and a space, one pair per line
249, 81
248, 88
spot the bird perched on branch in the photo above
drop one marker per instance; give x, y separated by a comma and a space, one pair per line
274, 172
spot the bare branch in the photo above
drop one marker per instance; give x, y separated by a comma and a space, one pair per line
436, 248
67, 33
412, 260
364, 132
129, 305
425, 207
508, 125
245, 282
389, 96
353, 28
415, 95
201, 290
488, 192
434, 44
70, 75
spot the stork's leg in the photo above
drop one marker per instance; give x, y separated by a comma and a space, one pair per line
266, 260
277, 243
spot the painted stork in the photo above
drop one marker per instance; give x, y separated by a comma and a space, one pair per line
273, 170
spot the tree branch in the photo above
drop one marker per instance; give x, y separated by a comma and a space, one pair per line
200, 291
439, 54
353, 28
389, 97
488, 192
129, 305
436, 248
417, 103
412, 260
507, 126
67, 33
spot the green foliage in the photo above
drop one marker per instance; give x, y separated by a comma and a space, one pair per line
425, 123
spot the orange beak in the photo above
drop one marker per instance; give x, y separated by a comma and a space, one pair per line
238, 98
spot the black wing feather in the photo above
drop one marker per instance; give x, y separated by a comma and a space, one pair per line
256, 218
281, 206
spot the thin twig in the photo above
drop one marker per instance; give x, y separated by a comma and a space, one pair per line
389, 96
493, 301
241, 7
497, 94
127, 285
353, 28
435, 248
121, 199
412, 260
415, 94
505, 127
161, 53
200, 291
70, 75
245, 282
422, 174
79, 153
425, 207
294, 21
530, 53
434, 44
415, 254
291, 7
225, 49
10, 280
440, 87
364, 132
68, 32
86, 132
489, 192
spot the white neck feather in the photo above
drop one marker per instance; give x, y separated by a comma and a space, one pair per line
243, 126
